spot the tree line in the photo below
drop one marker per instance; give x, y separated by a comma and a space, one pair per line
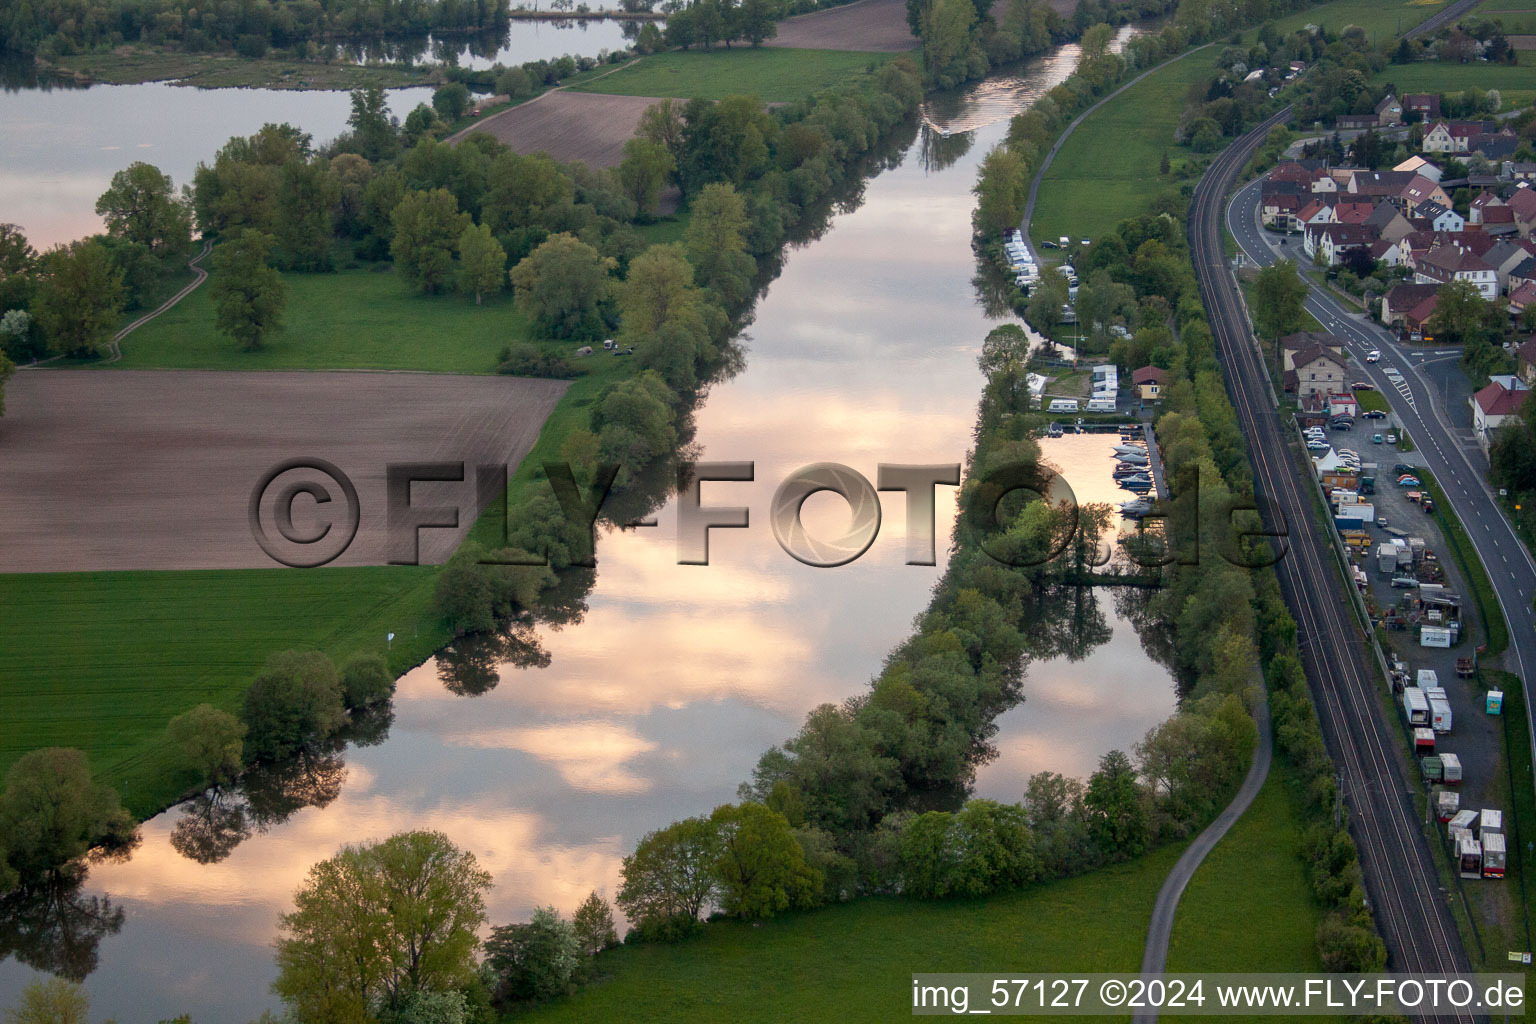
57, 28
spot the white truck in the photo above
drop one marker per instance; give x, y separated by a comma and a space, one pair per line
1415, 706
1439, 715
1452, 766
1493, 855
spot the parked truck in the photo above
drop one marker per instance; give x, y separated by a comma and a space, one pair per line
1489, 821
1423, 740
1461, 823
1451, 766
1447, 803
1439, 715
1469, 856
1432, 768
1415, 706
1493, 855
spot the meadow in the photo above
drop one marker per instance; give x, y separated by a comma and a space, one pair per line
773, 74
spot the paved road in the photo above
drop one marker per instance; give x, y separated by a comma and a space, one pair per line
1400, 877
1419, 391
1446, 16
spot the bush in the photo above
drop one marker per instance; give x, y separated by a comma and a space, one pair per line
211, 741
451, 101
525, 359
533, 961
52, 813
1345, 947
252, 46
365, 680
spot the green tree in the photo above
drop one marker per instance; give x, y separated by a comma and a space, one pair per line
80, 299
514, 83
1001, 190
307, 196
949, 54
374, 131
365, 680
249, 295
1114, 808
560, 285
645, 169
1461, 313
758, 20
451, 101
1279, 297
482, 262
378, 922
533, 961
51, 812
51, 1001
428, 226
761, 868
141, 205
984, 847
671, 874
593, 923
211, 742
716, 241
294, 702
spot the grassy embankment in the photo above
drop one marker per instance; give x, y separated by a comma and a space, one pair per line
773, 74
1516, 82
854, 961
131, 65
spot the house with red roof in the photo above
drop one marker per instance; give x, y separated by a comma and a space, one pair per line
1149, 381
1495, 404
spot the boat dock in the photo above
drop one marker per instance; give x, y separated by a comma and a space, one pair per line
1155, 462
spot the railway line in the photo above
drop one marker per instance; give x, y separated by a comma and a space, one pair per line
1400, 876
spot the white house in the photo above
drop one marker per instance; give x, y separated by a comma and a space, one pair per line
1446, 263
1495, 404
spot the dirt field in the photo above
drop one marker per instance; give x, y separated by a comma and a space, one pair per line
571, 126
874, 26
155, 469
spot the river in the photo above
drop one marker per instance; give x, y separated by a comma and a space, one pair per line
659, 701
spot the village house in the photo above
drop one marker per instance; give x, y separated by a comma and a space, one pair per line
1481, 202
1456, 136
1522, 299
1389, 112
1327, 243
1389, 223
1523, 201
1449, 262
1416, 320
1401, 299
1149, 381
1493, 406
1523, 273
1442, 217
1425, 104
1520, 171
1421, 166
1313, 364
1505, 258
1499, 221
1423, 190
1355, 122
1525, 360
1388, 185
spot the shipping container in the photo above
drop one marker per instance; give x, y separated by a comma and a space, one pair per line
1434, 636
1490, 820
1452, 765
1427, 678
1415, 706
1447, 803
1460, 822
1423, 741
1386, 559
1439, 716
1469, 856
1493, 856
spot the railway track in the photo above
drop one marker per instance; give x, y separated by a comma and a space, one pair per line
1394, 856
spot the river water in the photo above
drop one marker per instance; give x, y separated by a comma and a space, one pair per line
659, 701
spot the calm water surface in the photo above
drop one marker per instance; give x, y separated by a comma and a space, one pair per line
659, 702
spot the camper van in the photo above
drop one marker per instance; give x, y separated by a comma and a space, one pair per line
1101, 405
1062, 405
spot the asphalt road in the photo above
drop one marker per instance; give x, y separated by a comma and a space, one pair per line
1418, 393
1400, 877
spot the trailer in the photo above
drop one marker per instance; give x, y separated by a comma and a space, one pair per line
1386, 559
1451, 765
1428, 678
1415, 706
1489, 821
1460, 823
1493, 856
1447, 804
1423, 741
1439, 715
1432, 768
1434, 636
1469, 856
1465, 667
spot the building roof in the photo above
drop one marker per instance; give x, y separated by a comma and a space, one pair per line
1525, 270
1486, 198
1423, 311
1149, 375
1498, 215
1306, 339
1404, 297
1527, 350
1382, 215
1347, 235
1315, 353
1523, 201
1386, 101
1524, 296
1381, 183
1497, 400
1357, 212
1433, 211
1453, 259
1419, 189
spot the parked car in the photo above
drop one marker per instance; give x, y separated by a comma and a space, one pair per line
1317, 446
1391, 439
1362, 385
1373, 356
1373, 414
1375, 439
1403, 467
1408, 481
1382, 522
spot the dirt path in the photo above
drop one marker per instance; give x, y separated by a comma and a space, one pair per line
201, 275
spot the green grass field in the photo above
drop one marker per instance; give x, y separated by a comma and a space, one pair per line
101, 661
854, 962
773, 74
1108, 168
1516, 82
353, 319
1381, 19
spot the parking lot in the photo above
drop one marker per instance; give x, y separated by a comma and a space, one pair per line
1476, 735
